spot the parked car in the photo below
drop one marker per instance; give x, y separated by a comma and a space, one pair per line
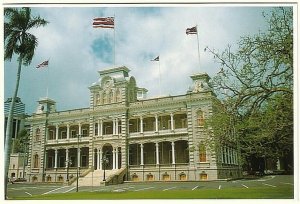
20, 180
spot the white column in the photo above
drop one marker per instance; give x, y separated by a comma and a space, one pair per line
172, 121
114, 126
173, 152
114, 158
99, 128
56, 132
157, 153
142, 154
156, 123
78, 157
100, 160
117, 158
68, 131
79, 128
55, 159
117, 126
67, 158
141, 125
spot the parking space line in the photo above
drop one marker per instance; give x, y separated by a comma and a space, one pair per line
245, 186
269, 185
54, 190
195, 188
219, 187
28, 193
144, 189
70, 190
169, 188
287, 183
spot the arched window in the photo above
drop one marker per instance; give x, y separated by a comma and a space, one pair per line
34, 179
110, 98
202, 153
104, 98
203, 176
150, 177
49, 179
166, 177
200, 118
135, 177
37, 134
182, 177
119, 96
36, 161
97, 99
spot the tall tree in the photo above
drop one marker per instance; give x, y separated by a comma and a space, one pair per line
18, 40
255, 86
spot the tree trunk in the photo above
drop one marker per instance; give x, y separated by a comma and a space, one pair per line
8, 135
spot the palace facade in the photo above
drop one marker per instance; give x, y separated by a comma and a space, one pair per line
156, 139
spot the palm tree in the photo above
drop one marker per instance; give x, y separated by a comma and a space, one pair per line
18, 40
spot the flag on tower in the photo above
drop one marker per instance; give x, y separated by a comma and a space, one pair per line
192, 30
155, 59
104, 22
43, 64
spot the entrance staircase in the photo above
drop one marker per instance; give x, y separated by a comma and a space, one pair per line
95, 178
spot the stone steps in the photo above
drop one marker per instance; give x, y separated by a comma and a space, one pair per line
94, 178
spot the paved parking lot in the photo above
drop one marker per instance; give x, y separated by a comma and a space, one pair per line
23, 189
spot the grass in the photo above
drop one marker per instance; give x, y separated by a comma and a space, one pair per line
284, 192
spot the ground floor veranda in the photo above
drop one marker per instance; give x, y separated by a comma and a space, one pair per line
152, 161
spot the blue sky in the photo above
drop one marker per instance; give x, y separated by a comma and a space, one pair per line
77, 51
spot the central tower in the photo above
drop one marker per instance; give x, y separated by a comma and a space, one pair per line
114, 86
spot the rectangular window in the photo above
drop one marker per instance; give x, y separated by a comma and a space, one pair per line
184, 123
96, 129
85, 133
73, 133
83, 160
63, 135
202, 153
51, 135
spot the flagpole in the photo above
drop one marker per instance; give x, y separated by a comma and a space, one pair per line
159, 77
47, 79
198, 45
114, 40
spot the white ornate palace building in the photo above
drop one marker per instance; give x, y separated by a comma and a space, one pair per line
157, 139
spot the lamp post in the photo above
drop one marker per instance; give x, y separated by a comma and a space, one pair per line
104, 162
78, 160
68, 163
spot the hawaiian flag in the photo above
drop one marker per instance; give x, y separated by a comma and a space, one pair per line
104, 22
43, 64
192, 30
155, 59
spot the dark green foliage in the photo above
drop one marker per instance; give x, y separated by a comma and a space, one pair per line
255, 88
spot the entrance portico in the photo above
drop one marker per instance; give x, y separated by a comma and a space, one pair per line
111, 154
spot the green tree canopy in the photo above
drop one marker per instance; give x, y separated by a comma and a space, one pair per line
255, 88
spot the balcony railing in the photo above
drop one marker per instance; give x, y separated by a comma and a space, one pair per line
160, 132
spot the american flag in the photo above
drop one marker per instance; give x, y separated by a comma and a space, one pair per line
192, 30
43, 64
104, 22
155, 59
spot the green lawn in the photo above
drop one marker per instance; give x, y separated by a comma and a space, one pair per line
283, 192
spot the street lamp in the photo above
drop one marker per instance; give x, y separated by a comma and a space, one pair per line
68, 163
78, 161
104, 162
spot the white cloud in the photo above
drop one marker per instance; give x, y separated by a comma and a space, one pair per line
140, 36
